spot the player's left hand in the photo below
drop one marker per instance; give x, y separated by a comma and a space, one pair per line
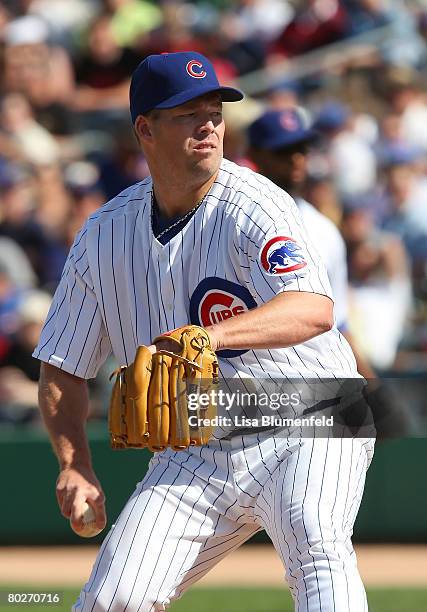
149, 405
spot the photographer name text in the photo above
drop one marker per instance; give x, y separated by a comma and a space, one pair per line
262, 421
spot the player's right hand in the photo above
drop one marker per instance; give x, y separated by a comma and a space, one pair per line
74, 487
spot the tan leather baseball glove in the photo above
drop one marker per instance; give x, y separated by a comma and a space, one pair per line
150, 405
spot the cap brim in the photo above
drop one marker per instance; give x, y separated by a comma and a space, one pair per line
228, 94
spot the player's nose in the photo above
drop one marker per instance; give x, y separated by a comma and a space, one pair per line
206, 127
206, 123
298, 157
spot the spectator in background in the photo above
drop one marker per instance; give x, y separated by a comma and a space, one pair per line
380, 296
16, 265
173, 34
52, 202
390, 142
220, 48
283, 95
405, 204
19, 371
33, 142
132, 20
390, 133
103, 70
351, 159
247, 29
65, 18
406, 94
18, 196
82, 179
38, 70
123, 166
259, 19
14, 286
314, 25
11, 297
403, 46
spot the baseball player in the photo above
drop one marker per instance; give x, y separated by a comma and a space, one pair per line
203, 241
279, 142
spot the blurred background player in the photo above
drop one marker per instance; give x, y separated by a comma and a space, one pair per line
279, 146
279, 143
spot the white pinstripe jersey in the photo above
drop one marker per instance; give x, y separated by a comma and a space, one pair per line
121, 287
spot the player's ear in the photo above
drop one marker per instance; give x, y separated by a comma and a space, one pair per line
143, 129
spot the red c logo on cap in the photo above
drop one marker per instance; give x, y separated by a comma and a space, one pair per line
289, 121
190, 69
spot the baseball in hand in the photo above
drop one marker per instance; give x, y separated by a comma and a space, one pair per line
89, 529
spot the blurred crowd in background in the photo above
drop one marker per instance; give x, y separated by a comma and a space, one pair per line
356, 69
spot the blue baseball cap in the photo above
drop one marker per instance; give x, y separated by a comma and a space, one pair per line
277, 129
172, 79
331, 116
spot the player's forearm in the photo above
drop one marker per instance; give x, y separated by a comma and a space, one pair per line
63, 401
287, 320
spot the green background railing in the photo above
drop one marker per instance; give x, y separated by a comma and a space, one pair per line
393, 508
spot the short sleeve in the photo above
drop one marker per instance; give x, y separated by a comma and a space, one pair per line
277, 253
74, 337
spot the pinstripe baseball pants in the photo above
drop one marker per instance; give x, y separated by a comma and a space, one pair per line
194, 507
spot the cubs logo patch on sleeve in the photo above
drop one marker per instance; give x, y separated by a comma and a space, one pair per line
281, 255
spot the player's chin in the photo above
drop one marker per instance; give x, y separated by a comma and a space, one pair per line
296, 178
208, 162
